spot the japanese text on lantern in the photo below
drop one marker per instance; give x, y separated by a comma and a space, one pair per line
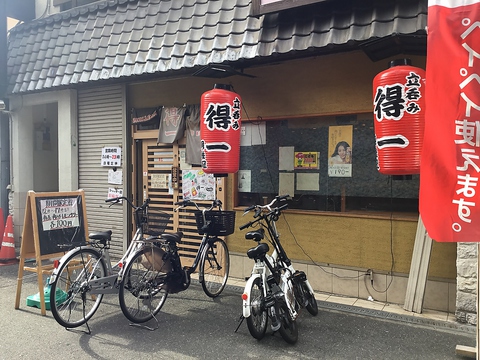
223, 116
390, 99
467, 133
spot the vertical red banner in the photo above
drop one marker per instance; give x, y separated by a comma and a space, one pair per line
450, 165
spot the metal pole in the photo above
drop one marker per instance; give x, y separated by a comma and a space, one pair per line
4, 118
3, 49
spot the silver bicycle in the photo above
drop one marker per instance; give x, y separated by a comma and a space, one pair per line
85, 274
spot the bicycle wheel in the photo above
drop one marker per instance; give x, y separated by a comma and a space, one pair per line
214, 267
142, 290
311, 305
288, 327
258, 319
70, 301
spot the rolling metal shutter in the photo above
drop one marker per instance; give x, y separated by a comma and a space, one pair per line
101, 122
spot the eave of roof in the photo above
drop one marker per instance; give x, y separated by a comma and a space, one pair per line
122, 38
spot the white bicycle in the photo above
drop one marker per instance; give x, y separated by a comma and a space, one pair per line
275, 289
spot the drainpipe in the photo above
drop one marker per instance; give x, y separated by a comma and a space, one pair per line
3, 49
4, 117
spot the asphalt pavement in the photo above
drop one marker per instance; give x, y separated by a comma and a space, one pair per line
194, 326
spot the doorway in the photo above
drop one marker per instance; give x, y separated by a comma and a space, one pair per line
45, 150
157, 175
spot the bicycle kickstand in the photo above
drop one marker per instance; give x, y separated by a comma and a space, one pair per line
146, 326
89, 332
240, 323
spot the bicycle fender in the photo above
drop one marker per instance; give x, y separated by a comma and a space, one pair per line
54, 274
247, 291
309, 286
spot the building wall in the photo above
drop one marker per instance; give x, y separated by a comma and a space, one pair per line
59, 105
467, 278
348, 244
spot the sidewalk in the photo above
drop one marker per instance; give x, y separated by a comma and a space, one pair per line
193, 326
380, 309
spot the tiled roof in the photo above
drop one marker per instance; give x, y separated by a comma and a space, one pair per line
121, 38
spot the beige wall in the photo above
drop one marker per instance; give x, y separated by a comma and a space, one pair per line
352, 242
333, 84
322, 85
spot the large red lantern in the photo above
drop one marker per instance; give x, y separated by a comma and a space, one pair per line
220, 123
399, 117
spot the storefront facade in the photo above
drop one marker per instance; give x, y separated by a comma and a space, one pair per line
295, 89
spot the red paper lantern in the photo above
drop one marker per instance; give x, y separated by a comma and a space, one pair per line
220, 123
399, 113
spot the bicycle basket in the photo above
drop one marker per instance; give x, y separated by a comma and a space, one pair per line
157, 222
222, 222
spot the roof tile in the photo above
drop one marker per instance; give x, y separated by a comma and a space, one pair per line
120, 38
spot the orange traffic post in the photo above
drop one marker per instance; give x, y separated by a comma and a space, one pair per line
7, 251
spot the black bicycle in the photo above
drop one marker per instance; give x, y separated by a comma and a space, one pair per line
212, 255
275, 289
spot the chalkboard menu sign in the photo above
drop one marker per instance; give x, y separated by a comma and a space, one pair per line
60, 223
54, 223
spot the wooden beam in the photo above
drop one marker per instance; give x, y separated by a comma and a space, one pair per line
417, 279
466, 351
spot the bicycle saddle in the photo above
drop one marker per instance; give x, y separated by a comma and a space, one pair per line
175, 237
100, 235
256, 235
257, 251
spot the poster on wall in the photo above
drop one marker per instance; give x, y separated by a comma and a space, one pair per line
244, 181
340, 151
198, 185
307, 160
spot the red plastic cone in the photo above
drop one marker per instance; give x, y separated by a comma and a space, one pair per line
7, 251
2, 223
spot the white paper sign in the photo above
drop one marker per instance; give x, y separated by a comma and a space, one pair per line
114, 193
308, 182
115, 177
159, 181
112, 156
245, 181
59, 213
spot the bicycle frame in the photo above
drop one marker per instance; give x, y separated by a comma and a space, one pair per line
262, 269
201, 249
278, 261
206, 237
109, 284
279, 253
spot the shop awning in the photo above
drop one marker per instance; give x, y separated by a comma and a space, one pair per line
118, 39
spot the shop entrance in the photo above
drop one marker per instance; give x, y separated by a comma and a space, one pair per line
157, 175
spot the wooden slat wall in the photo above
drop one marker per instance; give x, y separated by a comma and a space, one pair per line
159, 159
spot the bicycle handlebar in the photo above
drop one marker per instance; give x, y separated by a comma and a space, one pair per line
272, 212
259, 208
117, 200
184, 203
